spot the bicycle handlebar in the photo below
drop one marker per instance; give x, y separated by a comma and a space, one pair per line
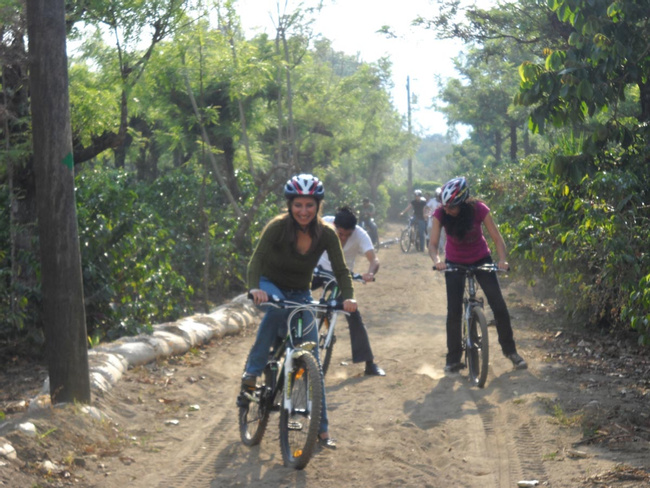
278, 302
322, 273
461, 267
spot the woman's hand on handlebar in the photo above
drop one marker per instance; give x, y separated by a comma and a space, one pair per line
259, 296
440, 265
350, 305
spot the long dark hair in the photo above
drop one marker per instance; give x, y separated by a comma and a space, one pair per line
459, 225
291, 227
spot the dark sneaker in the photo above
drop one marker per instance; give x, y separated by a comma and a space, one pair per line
248, 385
374, 370
327, 443
243, 400
248, 382
453, 367
517, 361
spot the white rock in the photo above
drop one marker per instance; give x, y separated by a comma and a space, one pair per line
49, 467
7, 451
28, 428
94, 412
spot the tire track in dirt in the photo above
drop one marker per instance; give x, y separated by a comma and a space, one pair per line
416, 427
200, 467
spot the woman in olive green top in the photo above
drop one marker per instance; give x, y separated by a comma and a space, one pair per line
282, 265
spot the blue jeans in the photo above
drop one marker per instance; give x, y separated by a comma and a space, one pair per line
274, 325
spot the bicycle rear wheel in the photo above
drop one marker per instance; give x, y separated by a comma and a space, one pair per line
405, 240
299, 425
325, 351
254, 416
416, 238
478, 350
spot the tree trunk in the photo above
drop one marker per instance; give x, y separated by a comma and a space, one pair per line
61, 279
527, 149
228, 148
513, 140
498, 146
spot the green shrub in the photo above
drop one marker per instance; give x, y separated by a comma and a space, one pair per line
128, 251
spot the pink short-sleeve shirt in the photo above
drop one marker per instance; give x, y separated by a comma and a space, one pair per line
473, 247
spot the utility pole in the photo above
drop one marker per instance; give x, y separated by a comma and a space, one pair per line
410, 159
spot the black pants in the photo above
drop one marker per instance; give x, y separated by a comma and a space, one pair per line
489, 283
359, 341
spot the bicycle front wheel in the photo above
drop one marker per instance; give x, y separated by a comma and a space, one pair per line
325, 350
254, 416
478, 349
299, 424
405, 240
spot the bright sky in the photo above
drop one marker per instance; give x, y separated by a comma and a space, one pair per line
351, 25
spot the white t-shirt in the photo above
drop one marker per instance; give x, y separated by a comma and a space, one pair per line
358, 243
432, 204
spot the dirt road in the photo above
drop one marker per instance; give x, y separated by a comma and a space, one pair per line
416, 427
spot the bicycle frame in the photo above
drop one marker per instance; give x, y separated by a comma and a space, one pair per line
470, 301
475, 340
331, 287
331, 294
289, 348
292, 383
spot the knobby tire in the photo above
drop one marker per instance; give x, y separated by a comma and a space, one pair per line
299, 427
478, 355
405, 240
326, 352
254, 417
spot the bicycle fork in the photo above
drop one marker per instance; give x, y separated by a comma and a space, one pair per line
330, 330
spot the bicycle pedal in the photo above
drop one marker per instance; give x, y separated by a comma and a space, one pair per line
243, 400
294, 425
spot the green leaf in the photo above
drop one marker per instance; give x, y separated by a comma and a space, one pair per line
585, 90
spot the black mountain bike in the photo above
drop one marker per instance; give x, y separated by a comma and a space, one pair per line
291, 384
410, 237
327, 321
476, 344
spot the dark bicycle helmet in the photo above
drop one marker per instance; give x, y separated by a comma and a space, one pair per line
454, 192
304, 185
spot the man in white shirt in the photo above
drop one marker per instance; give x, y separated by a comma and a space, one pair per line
432, 204
355, 241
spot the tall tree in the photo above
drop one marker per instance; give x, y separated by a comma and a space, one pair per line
62, 288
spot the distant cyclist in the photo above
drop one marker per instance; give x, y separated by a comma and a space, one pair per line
355, 241
417, 205
282, 264
462, 218
367, 220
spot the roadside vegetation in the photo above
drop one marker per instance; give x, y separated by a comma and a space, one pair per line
184, 129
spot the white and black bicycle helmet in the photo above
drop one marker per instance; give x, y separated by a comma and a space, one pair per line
454, 192
304, 185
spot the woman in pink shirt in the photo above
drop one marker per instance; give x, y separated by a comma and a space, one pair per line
463, 219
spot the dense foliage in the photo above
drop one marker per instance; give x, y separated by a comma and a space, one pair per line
183, 139
182, 142
574, 203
